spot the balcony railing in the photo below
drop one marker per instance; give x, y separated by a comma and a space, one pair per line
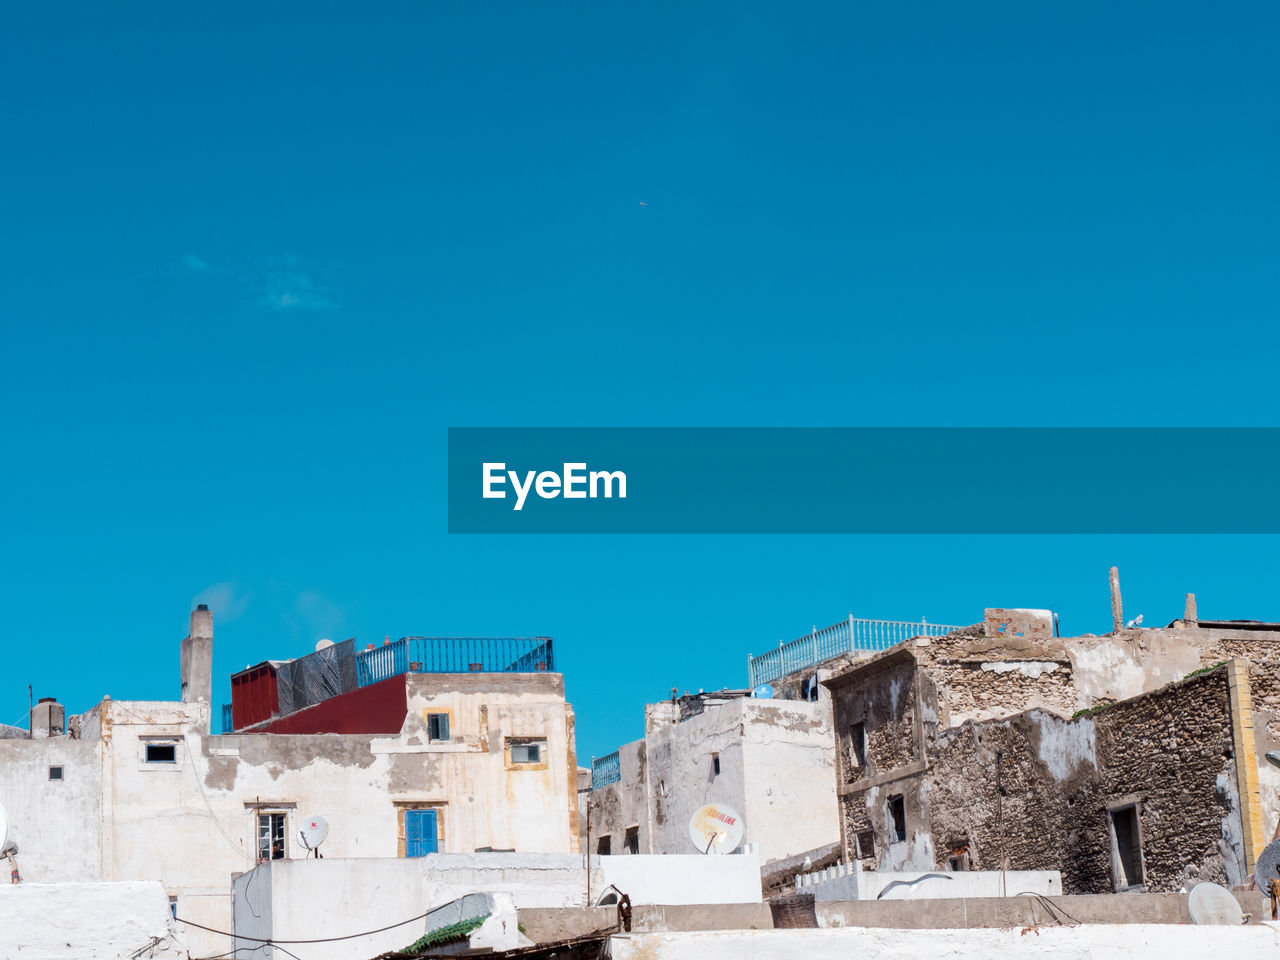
605, 770
847, 636
455, 655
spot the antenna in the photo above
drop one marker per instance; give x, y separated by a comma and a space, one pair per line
1214, 905
312, 833
715, 828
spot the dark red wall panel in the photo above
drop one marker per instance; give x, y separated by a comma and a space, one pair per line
378, 708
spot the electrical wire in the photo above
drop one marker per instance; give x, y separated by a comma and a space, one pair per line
1053, 908
208, 806
274, 942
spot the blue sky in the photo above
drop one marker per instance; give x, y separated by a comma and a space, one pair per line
255, 262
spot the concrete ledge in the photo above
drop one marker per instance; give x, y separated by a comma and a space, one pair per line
977, 912
1090, 942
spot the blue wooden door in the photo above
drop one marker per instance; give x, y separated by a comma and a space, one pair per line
419, 832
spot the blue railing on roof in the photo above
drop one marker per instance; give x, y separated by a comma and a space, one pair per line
227, 723
847, 636
454, 655
605, 770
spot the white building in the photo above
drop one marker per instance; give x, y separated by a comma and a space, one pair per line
140, 790
770, 760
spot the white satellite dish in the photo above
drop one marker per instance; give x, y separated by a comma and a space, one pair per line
715, 828
323, 645
1212, 904
312, 832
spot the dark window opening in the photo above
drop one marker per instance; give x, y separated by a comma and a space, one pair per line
173, 907
866, 844
1128, 846
858, 744
603, 846
811, 689
898, 818
55, 773
437, 726
271, 827
632, 840
715, 764
162, 753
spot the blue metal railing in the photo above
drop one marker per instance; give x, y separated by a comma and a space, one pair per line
455, 655
846, 636
227, 723
605, 770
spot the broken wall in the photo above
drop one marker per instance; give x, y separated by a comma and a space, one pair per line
1038, 792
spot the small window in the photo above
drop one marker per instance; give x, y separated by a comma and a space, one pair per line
866, 842
858, 744
438, 726
528, 752
632, 840
271, 835
161, 752
715, 764
603, 845
1126, 848
897, 818
55, 773
173, 907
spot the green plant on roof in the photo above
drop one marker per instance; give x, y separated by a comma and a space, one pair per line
447, 934
1196, 673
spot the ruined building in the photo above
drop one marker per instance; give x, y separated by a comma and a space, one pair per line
1133, 760
399, 760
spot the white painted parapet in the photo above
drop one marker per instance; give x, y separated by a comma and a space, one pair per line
85, 921
847, 881
1085, 942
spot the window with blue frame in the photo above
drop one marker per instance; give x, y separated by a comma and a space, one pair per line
420, 832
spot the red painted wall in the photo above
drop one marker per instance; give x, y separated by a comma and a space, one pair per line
254, 696
379, 708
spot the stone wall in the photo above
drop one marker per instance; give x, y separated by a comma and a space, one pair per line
1034, 791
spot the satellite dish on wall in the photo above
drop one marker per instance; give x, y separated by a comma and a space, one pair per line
715, 828
1267, 867
1214, 905
312, 832
323, 644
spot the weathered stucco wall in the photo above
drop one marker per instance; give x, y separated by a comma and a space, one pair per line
309, 899
54, 921
617, 807
56, 823
1033, 792
190, 822
775, 768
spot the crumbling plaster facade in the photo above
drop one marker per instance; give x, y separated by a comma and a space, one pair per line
1037, 791
981, 676
775, 769
191, 822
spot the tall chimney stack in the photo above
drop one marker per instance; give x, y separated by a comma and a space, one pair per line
197, 658
1117, 608
1189, 612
